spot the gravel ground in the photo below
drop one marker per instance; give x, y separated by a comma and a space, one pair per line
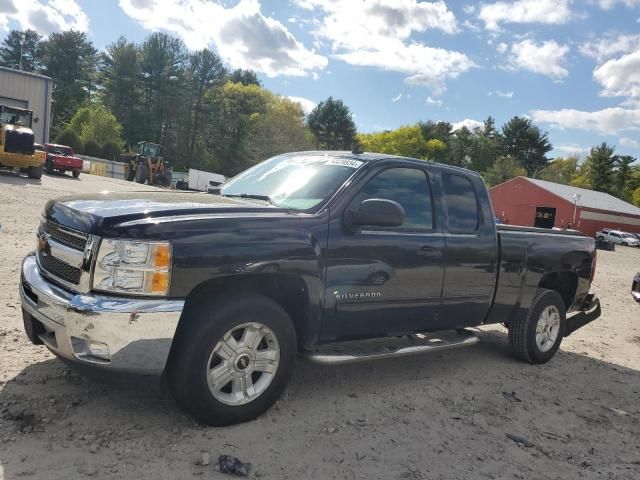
469, 413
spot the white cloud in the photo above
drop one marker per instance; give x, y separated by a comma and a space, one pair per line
45, 17
242, 35
609, 46
396, 98
629, 142
620, 77
434, 101
608, 121
469, 123
377, 33
573, 149
500, 93
607, 4
502, 47
306, 104
545, 58
551, 12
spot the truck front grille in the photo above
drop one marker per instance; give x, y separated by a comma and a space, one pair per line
73, 239
63, 266
59, 269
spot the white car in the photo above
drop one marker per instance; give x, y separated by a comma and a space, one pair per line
618, 237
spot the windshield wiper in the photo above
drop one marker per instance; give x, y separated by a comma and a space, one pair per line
266, 198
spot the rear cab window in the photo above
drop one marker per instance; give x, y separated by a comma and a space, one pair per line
462, 203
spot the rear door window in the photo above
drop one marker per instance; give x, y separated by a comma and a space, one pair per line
462, 204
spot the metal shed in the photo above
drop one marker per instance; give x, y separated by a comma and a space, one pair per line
32, 91
538, 203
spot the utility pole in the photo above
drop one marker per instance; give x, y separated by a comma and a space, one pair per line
22, 40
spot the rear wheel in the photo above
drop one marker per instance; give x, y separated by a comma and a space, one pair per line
141, 174
35, 172
232, 359
48, 166
536, 337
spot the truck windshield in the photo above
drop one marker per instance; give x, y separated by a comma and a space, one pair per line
297, 182
15, 117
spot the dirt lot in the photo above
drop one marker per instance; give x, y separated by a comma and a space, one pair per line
429, 417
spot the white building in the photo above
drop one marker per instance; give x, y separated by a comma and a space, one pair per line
32, 91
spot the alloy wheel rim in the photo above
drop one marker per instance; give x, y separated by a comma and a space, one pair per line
243, 364
548, 328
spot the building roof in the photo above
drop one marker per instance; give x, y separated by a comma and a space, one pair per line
22, 72
588, 198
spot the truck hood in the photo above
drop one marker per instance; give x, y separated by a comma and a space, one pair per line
101, 212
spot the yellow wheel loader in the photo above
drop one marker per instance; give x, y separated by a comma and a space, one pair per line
17, 142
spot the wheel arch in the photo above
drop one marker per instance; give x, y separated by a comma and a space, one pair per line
288, 291
565, 283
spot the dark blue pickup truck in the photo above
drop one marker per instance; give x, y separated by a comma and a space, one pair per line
336, 256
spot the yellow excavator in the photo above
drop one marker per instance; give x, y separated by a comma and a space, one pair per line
17, 142
147, 166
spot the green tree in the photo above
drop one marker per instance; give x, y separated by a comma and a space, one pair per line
97, 124
121, 76
406, 141
601, 163
163, 61
436, 130
435, 149
523, 141
504, 168
635, 197
245, 77
331, 124
205, 72
71, 139
623, 170
280, 128
22, 49
69, 58
560, 170
233, 111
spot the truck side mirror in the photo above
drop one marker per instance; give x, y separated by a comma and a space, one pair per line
377, 212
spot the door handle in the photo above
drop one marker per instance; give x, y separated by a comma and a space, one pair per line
428, 251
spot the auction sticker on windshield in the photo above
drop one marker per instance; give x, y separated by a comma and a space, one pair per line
344, 162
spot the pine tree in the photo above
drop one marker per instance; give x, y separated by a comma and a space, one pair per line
601, 162
22, 50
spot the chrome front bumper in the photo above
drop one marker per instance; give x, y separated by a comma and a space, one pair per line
124, 334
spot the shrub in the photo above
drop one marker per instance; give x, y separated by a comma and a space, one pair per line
110, 150
92, 148
69, 138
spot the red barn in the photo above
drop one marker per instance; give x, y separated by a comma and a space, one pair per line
538, 203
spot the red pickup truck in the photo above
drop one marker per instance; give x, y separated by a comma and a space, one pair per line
61, 158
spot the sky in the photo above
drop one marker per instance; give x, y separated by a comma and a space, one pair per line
572, 66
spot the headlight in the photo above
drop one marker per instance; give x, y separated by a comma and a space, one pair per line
134, 267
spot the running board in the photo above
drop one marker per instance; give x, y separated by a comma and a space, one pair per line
374, 349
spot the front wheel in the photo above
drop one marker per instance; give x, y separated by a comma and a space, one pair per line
75, 173
232, 359
35, 172
536, 337
141, 174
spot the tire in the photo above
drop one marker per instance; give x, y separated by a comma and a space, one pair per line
35, 172
193, 358
48, 167
522, 332
75, 173
141, 174
162, 180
